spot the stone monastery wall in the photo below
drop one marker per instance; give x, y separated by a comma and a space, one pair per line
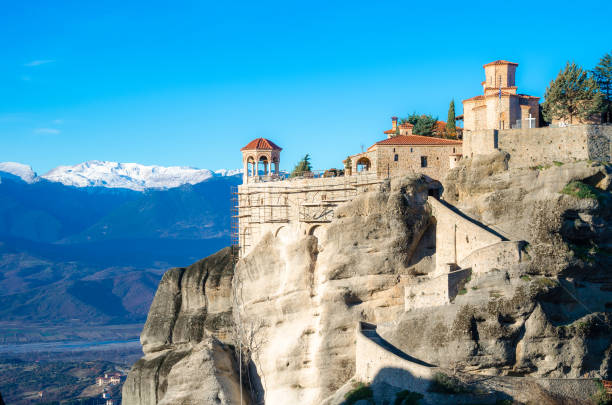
293, 205
375, 362
409, 159
535, 146
456, 236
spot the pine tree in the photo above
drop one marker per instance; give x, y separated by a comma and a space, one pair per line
303, 166
573, 94
425, 125
451, 127
603, 76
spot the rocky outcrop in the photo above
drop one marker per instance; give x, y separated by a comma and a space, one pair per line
305, 293
291, 307
546, 316
185, 360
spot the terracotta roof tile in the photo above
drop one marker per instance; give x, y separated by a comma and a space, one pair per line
527, 96
481, 97
261, 144
389, 131
500, 62
417, 140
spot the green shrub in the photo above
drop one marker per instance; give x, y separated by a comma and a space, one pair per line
445, 384
525, 277
462, 291
407, 398
557, 163
361, 391
601, 397
580, 190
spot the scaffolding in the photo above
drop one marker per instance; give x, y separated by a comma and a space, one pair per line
292, 200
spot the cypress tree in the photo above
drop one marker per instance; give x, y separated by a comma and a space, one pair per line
451, 127
573, 94
303, 166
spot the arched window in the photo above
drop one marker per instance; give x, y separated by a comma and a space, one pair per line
363, 164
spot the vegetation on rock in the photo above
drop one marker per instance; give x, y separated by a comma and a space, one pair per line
407, 398
580, 190
361, 391
446, 384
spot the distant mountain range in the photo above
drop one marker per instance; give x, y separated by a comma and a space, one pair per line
131, 176
89, 242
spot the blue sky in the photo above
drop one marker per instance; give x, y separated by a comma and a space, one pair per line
190, 82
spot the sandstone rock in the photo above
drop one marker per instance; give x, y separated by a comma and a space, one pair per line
186, 361
309, 292
295, 300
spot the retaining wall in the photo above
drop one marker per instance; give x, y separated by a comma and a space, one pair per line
374, 362
496, 256
535, 146
456, 236
437, 291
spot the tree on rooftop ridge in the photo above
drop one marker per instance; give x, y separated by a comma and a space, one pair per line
573, 94
603, 76
424, 124
451, 126
303, 166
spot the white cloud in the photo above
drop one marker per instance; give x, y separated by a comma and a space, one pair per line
38, 62
51, 131
58, 122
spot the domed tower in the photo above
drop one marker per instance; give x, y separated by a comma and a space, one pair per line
258, 156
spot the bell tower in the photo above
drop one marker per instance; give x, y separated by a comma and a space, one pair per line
260, 161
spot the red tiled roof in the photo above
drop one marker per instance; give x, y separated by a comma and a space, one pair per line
474, 98
417, 140
500, 62
261, 144
389, 131
527, 96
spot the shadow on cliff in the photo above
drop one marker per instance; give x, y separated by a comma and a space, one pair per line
396, 385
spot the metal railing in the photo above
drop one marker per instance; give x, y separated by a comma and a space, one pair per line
311, 174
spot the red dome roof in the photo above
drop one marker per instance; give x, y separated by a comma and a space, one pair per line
261, 144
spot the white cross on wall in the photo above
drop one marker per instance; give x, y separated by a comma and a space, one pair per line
530, 120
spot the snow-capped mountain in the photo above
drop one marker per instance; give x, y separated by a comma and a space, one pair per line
132, 176
20, 170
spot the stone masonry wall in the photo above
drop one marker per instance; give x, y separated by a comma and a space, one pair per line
375, 363
409, 160
532, 147
432, 292
456, 236
497, 256
302, 203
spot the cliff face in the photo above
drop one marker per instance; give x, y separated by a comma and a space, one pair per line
306, 293
185, 361
546, 316
296, 299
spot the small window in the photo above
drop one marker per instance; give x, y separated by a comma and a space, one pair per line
393, 150
423, 161
395, 158
453, 150
411, 150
